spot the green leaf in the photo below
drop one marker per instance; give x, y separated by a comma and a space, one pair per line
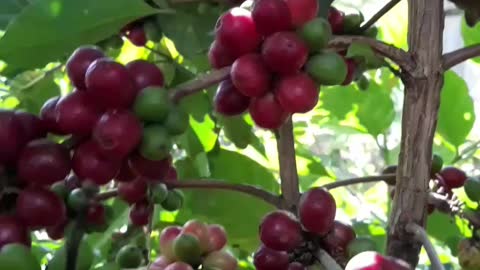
443, 228
8, 10
324, 5
239, 213
471, 36
456, 115
237, 130
339, 101
46, 30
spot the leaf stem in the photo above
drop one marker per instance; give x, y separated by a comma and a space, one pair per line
359, 180
326, 260
421, 235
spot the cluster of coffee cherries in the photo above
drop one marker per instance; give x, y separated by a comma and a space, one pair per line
120, 122
193, 245
277, 58
140, 31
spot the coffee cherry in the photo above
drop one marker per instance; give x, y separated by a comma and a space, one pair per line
76, 113
90, 164
177, 121
302, 11
172, 176
220, 260
236, 30
271, 16
217, 237
453, 177
129, 256
48, 114
43, 162
12, 230
229, 101
145, 74
279, 230
32, 127
336, 20
78, 200
137, 35
200, 231
269, 259
174, 200
152, 104
140, 213
110, 84
219, 55
150, 169
472, 188
57, 232
316, 34
179, 266
250, 75
96, 214
156, 143
338, 239
166, 241
297, 93
160, 263
11, 137
284, 52
133, 192
159, 193
126, 173
187, 249
437, 164
351, 69
267, 113
79, 62
317, 210
117, 133
327, 68
296, 266
370, 260
40, 208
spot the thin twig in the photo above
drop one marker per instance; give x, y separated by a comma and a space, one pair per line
326, 260
379, 15
359, 180
466, 151
422, 236
456, 57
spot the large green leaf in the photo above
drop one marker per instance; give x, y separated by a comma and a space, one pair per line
46, 30
456, 115
471, 36
237, 130
444, 229
239, 213
8, 10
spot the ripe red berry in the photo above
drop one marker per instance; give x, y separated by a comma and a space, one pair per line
229, 101
150, 169
284, 53
167, 237
172, 176
370, 260
271, 16
302, 11
79, 62
48, 114
140, 213
336, 20
117, 133
339, 237
96, 214
12, 138
137, 35
40, 208
200, 231
13, 231
76, 113
296, 266
269, 259
145, 74
218, 237
351, 68
297, 93
90, 164
110, 84
267, 113
133, 192
280, 230
57, 232
179, 266
126, 173
236, 30
452, 177
250, 75
219, 56
43, 162
317, 210
32, 127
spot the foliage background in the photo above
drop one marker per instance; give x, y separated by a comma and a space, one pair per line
350, 133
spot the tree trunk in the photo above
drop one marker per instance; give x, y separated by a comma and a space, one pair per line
420, 110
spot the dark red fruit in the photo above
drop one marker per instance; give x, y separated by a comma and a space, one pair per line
32, 127
297, 93
269, 259
280, 230
317, 210
110, 84
284, 53
229, 101
133, 192
145, 74
172, 176
271, 16
12, 231
219, 56
137, 35
140, 213
76, 113
337, 240
48, 114
217, 237
351, 67
336, 19
250, 75
370, 260
40, 208
79, 62
266, 112
11, 137
90, 164
302, 11
452, 177
236, 31
117, 133
57, 232
43, 162
126, 174
296, 266
96, 214
150, 169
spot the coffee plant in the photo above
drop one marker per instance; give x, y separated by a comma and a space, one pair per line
229, 134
